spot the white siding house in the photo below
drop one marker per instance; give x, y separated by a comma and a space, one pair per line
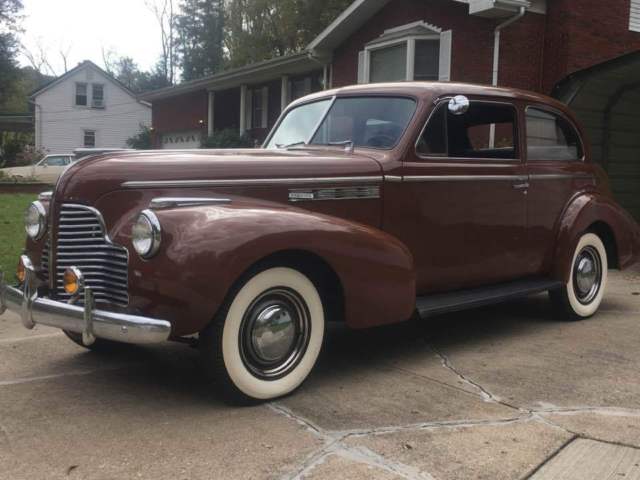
86, 107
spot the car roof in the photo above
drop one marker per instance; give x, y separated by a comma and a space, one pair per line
427, 90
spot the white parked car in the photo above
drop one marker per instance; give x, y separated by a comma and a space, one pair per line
46, 170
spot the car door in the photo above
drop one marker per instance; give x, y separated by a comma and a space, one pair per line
459, 202
555, 165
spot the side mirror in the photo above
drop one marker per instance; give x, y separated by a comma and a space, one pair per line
459, 105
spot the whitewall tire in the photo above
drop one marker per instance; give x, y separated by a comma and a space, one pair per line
582, 295
265, 341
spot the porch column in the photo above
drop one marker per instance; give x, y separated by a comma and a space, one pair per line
243, 109
210, 118
284, 92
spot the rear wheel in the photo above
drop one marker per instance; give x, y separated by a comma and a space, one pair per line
581, 296
264, 343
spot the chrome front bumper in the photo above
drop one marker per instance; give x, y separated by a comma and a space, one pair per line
90, 322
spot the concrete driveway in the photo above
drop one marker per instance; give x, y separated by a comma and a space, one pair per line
506, 392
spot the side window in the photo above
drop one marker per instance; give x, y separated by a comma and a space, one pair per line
551, 137
81, 94
486, 131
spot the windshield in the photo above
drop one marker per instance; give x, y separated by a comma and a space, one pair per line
374, 122
55, 161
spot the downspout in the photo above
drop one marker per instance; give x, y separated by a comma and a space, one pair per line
496, 42
496, 61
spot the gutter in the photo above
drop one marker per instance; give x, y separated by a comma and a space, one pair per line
496, 61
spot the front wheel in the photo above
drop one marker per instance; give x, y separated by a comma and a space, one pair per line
264, 343
581, 296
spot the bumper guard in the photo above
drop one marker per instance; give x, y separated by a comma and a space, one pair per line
90, 322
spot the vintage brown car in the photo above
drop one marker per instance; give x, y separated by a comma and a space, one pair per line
367, 205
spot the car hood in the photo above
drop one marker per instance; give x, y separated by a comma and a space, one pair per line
90, 178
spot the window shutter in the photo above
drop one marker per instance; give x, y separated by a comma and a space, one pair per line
444, 70
265, 106
634, 17
361, 75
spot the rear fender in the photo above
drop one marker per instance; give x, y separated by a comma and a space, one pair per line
206, 249
581, 214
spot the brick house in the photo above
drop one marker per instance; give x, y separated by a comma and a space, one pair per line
585, 53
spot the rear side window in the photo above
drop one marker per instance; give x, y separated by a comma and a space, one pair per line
551, 137
486, 131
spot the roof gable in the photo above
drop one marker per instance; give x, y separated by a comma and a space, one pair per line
87, 64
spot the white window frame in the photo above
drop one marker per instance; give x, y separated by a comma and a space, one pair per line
93, 84
634, 16
86, 95
410, 41
95, 137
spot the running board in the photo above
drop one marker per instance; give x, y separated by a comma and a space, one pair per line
478, 297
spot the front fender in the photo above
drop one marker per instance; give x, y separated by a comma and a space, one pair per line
582, 213
205, 249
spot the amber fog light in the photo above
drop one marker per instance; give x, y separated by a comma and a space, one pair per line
72, 280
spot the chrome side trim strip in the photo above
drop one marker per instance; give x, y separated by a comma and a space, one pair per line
463, 178
338, 193
490, 178
177, 202
392, 178
250, 182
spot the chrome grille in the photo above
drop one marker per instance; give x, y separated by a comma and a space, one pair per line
44, 258
82, 242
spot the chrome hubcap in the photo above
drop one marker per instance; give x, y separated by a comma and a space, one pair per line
274, 333
587, 275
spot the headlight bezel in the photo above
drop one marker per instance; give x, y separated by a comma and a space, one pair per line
41, 211
154, 234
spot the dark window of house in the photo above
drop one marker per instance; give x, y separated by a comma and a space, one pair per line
256, 108
551, 137
97, 95
486, 130
427, 60
81, 94
89, 139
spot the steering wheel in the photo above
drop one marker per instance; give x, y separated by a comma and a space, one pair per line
381, 140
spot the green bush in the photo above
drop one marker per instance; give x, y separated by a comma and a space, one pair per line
228, 138
141, 140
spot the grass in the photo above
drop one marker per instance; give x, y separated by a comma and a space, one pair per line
12, 234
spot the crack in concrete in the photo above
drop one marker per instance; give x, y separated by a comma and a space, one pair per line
448, 424
334, 439
485, 394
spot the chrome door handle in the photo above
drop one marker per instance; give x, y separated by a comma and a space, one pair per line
521, 186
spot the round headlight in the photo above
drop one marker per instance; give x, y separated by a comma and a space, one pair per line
35, 220
146, 234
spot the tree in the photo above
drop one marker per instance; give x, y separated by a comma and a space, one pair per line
9, 72
126, 70
141, 140
166, 18
199, 28
261, 29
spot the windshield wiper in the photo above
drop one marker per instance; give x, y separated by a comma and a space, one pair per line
289, 145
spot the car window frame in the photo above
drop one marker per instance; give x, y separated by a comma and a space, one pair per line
517, 140
554, 111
